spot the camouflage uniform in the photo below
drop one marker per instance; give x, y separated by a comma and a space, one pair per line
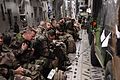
27, 60
7, 60
42, 49
45, 50
59, 50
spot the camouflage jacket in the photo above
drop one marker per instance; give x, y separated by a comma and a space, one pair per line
42, 47
7, 62
26, 59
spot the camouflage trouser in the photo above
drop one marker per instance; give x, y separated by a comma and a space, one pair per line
20, 77
33, 69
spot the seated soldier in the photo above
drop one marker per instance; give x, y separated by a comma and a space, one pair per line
4, 65
21, 45
45, 50
23, 51
8, 63
43, 53
57, 47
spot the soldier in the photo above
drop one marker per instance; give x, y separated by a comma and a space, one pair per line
48, 26
53, 22
71, 29
59, 49
47, 51
24, 53
66, 36
43, 53
8, 63
6, 60
41, 27
25, 36
62, 24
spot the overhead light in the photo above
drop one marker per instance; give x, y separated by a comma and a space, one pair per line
88, 10
80, 10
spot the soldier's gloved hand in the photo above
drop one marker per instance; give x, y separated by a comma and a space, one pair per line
19, 70
24, 46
